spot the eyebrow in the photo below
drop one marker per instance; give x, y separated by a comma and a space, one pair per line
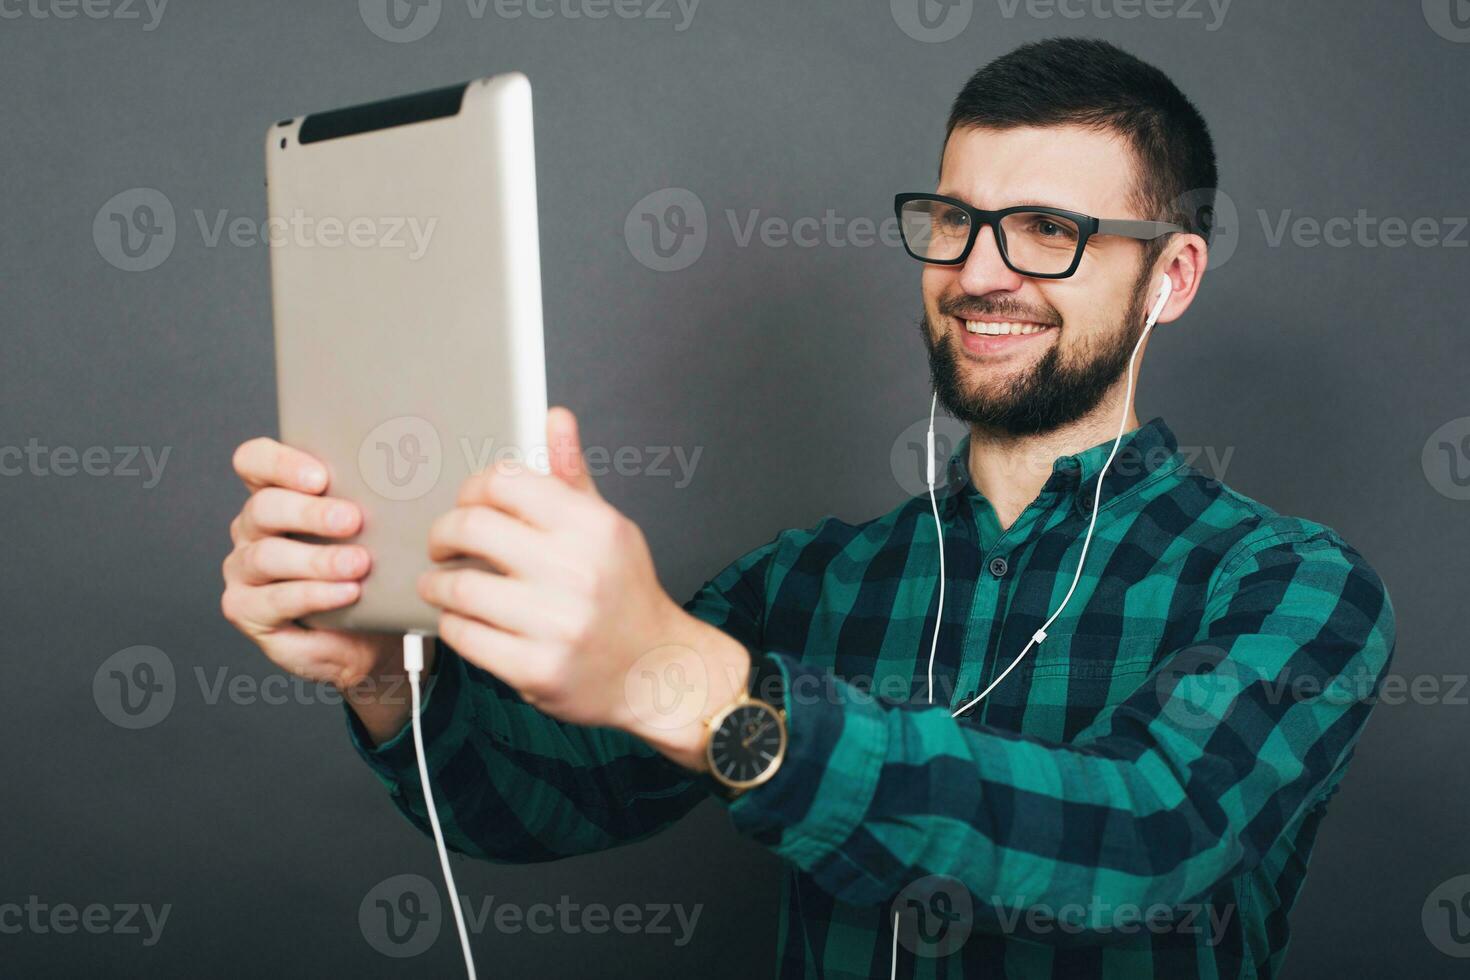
1024, 202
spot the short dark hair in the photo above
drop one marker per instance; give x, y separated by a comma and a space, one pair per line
1081, 81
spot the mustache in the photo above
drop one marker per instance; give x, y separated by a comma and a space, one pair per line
974, 307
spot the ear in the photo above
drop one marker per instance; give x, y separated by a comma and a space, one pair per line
564, 445
1185, 266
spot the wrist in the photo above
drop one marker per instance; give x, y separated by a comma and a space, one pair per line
673, 691
379, 693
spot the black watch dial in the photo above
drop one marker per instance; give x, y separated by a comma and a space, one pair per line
747, 747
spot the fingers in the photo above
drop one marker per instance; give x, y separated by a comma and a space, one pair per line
564, 443
274, 511
511, 658
344, 660
539, 499
498, 538
265, 462
505, 603
266, 607
278, 559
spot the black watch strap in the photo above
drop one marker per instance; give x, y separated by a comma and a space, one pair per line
767, 683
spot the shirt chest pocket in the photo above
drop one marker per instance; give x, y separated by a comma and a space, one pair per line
1074, 677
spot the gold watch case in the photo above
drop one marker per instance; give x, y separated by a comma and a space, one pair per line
719, 718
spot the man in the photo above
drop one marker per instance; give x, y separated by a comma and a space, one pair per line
1138, 797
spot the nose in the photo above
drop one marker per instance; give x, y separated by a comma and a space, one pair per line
984, 270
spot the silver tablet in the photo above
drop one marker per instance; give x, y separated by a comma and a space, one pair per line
406, 289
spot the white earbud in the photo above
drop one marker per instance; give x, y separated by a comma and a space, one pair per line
1166, 289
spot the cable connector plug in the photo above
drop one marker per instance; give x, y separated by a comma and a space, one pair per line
413, 653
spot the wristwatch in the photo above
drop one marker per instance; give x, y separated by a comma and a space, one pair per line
747, 738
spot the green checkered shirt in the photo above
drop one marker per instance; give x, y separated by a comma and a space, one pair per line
1139, 798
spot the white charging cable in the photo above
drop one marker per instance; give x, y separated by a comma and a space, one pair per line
413, 663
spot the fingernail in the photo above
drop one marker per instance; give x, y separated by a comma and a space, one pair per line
312, 478
344, 590
339, 517
348, 562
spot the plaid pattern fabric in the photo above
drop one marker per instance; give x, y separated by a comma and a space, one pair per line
1139, 798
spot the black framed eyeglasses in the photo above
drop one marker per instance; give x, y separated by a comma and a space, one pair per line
1036, 241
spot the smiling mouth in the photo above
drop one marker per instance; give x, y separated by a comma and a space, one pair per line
1003, 328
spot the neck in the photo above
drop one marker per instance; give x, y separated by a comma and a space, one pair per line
1010, 470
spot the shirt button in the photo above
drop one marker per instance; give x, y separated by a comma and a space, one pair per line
998, 567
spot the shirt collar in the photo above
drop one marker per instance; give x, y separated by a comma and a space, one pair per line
1149, 449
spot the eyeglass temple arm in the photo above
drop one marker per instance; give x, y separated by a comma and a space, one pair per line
1144, 230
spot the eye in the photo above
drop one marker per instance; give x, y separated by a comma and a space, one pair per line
953, 220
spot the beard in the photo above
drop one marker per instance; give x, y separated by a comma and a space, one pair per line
1047, 395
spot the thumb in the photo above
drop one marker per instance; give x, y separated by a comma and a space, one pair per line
564, 445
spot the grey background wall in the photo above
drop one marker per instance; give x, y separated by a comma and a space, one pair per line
1321, 374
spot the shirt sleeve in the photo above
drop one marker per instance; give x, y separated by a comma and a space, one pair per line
1180, 787
515, 785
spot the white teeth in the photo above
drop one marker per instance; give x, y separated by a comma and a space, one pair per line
1001, 329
